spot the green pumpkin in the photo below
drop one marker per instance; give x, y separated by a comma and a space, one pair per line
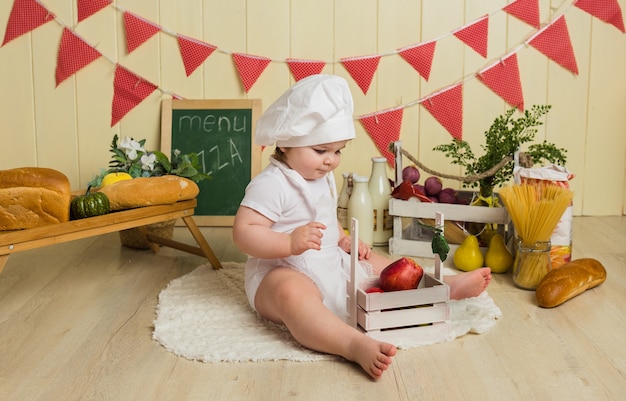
89, 205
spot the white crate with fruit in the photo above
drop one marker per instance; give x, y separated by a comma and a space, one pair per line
412, 210
404, 305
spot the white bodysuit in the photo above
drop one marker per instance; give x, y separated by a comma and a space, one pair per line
283, 196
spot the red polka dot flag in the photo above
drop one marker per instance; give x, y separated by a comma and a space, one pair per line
193, 52
25, 16
606, 10
503, 78
86, 8
303, 68
138, 31
128, 91
475, 35
420, 57
384, 128
554, 42
74, 54
250, 68
447, 108
362, 70
525, 10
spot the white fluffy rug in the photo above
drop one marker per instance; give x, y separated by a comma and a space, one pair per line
205, 316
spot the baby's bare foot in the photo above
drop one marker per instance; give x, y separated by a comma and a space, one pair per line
469, 284
373, 356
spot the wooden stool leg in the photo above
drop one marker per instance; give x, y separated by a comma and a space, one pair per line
3, 261
153, 245
204, 245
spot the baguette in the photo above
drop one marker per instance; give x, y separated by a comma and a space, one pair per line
568, 281
33, 197
149, 191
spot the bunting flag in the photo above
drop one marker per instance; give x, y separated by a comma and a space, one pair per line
608, 11
303, 68
554, 42
128, 91
26, 15
384, 128
86, 8
475, 35
250, 68
74, 54
503, 78
193, 52
362, 70
447, 108
138, 31
420, 57
525, 10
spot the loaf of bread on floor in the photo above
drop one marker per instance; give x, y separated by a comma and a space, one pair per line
33, 197
569, 280
149, 191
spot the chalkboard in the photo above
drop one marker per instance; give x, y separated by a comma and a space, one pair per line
221, 133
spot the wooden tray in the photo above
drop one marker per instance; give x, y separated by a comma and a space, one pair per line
22, 240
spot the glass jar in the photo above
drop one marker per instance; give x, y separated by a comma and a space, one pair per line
380, 191
342, 202
532, 263
360, 207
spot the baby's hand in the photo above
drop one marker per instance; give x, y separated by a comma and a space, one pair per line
364, 249
307, 237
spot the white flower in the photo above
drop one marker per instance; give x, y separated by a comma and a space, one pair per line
147, 162
131, 147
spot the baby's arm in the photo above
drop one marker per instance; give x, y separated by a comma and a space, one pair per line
253, 234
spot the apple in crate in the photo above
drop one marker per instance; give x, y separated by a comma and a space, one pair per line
403, 274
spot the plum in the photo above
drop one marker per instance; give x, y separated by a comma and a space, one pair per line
433, 186
411, 174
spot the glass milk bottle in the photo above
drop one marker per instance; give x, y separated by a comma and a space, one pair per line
342, 202
380, 191
360, 207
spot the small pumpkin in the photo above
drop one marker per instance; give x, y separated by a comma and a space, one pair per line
89, 205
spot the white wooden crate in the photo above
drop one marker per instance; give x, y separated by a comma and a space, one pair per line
400, 317
403, 242
406, 240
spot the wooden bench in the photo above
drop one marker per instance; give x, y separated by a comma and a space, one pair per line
23, 240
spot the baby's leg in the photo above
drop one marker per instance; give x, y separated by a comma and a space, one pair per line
289, 297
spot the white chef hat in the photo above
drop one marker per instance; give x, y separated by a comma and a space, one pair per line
317, 109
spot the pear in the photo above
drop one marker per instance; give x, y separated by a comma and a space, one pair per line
498, 256
468, 256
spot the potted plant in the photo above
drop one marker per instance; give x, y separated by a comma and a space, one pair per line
505, 137
129, 156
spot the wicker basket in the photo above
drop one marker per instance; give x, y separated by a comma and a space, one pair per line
134, 238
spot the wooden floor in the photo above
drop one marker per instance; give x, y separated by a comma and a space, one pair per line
76, 324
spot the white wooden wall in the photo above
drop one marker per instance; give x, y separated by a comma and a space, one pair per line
68, 127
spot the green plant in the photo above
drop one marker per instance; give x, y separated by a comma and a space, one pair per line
505, 136
130, 156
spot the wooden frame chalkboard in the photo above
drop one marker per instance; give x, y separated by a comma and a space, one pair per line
221, 133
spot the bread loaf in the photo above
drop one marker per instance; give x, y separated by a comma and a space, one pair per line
33, 197
149, 191
569, 280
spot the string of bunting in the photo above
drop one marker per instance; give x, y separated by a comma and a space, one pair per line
445, 105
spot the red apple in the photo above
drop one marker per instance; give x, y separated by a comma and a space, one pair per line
374, 289
403, 274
